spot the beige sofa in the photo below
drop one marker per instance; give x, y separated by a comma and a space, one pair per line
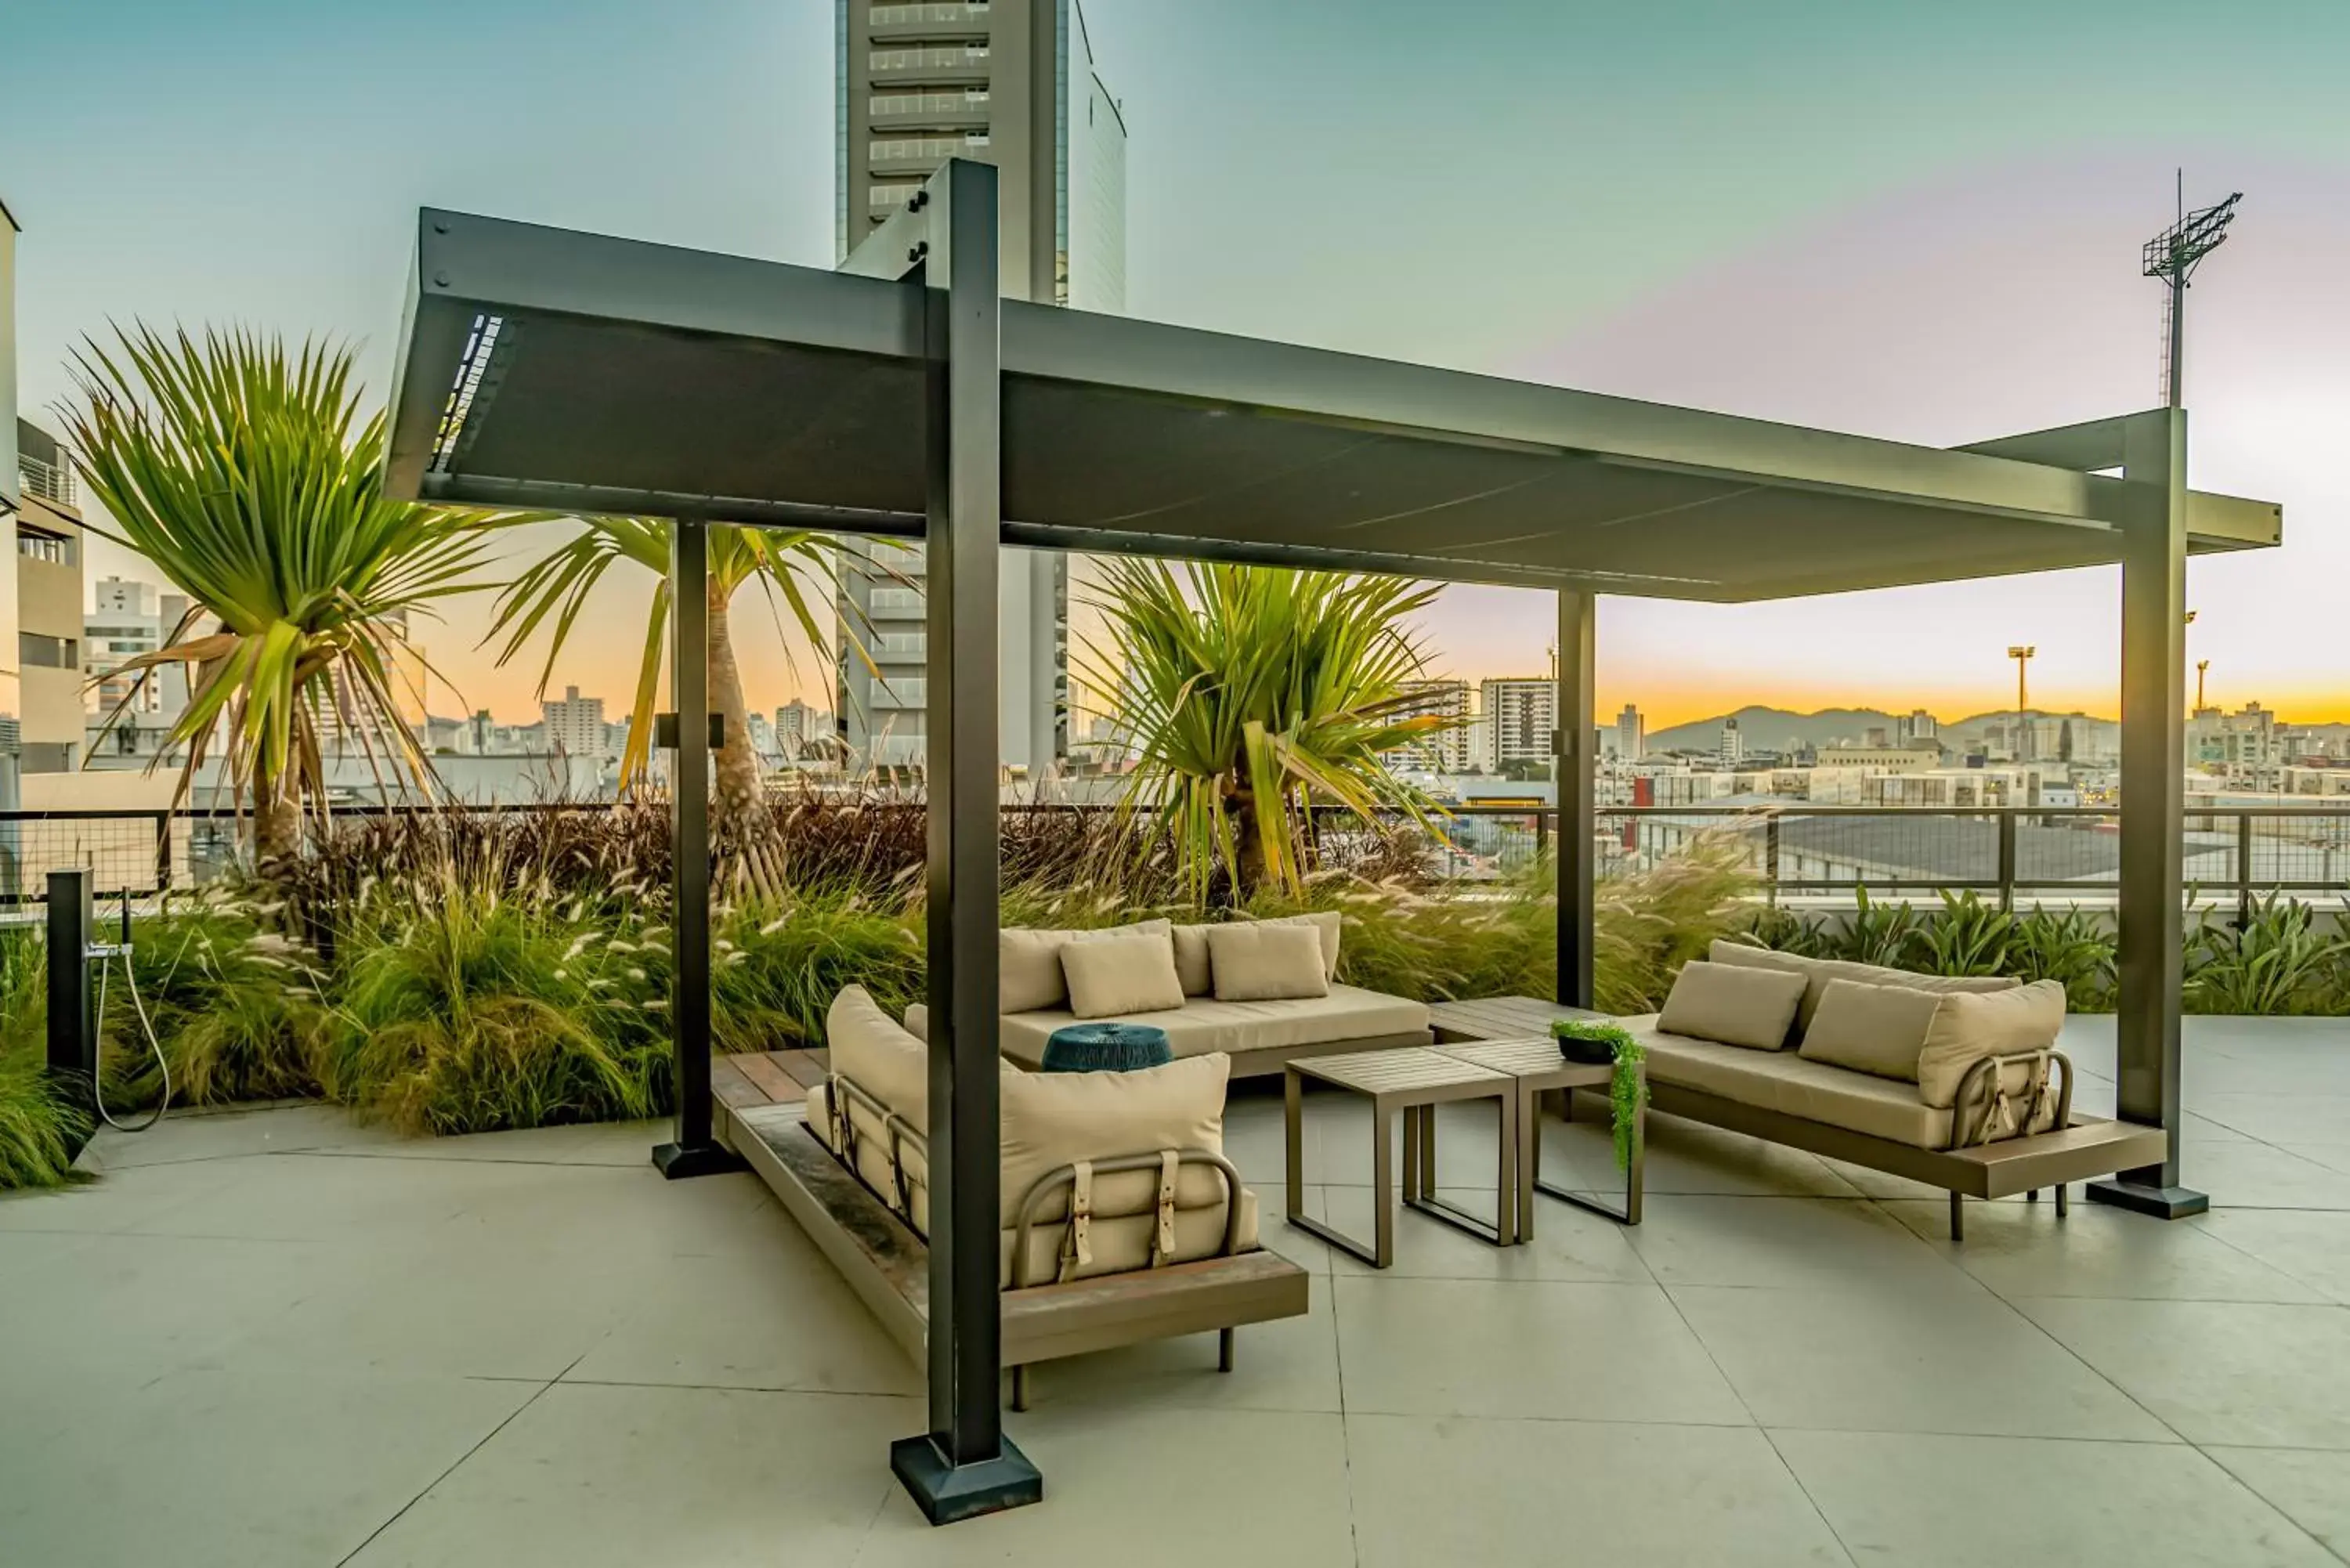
1103, 1175
1258, 1036
1950, 1080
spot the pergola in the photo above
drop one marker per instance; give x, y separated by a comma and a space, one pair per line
902, 396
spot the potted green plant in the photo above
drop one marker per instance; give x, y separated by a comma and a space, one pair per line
1593, 1043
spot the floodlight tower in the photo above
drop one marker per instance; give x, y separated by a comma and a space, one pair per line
2022, 656
2172, 255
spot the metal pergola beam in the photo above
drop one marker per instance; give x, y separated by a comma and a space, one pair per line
963, 1465
695, 1149
2153, 807
1577, 864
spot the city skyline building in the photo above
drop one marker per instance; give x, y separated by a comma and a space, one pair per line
574, 725
1011, 83
128, 617
1446, 751
1521, 715
1631, 734
1733, 751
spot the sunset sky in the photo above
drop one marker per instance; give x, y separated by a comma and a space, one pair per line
1915, 222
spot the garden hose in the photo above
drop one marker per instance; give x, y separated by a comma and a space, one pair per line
130, 981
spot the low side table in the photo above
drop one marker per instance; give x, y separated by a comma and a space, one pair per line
1415, 1081
1537, 1068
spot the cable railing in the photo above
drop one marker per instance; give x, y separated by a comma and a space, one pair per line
2228, 855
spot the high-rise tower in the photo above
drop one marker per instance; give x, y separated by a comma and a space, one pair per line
1011, 83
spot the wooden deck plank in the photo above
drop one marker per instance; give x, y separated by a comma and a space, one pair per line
771, 1079
805, 1069
729, 1087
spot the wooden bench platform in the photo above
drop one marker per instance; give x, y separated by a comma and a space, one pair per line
762, 1114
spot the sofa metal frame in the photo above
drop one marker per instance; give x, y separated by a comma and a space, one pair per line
870, 1238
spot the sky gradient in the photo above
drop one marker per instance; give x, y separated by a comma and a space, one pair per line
1913, 221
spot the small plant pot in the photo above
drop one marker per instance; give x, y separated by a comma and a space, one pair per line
1587, 1053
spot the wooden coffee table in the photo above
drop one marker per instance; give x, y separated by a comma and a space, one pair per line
1415, 1081
1537, 1069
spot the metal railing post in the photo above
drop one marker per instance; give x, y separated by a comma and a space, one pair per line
2007, 859
1771, 858
2243, 869
162, 853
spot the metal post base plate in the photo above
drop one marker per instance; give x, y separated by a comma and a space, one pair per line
946, 1492
2162, 1202
679, 1160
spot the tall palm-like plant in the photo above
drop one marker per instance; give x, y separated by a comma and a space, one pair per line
549, 595
1250, 692
244, 473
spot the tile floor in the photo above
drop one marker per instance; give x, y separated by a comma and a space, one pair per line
276, 1338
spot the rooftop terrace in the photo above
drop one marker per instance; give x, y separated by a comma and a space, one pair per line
277, 1338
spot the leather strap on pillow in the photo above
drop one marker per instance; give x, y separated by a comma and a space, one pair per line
1162, 1244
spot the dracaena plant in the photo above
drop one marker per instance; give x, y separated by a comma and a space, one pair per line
244, 472
1250, 694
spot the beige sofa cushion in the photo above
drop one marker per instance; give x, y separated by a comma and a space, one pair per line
1968, 1028
1817, 973
1191, 966
1236, 1028
1029, 961
1053, 1120
1737, 1006
1328, 925
888, 1063
1121, 974
1878, 1029
1782, 1081
1121, 1241
1258, 961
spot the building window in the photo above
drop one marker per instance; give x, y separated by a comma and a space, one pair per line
34, 651
54, 548
886, 15
972, 101
940, 57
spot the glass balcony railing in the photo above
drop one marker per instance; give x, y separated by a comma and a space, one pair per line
942, 57
897, 602
51, 482
953, 12
926, 148
885, 105
883, 197
903, 692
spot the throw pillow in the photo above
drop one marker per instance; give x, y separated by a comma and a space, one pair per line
1733, 1005
1878, 1029
1267, 960
1117, 975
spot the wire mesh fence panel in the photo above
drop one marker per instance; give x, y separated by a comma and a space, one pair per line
125, 852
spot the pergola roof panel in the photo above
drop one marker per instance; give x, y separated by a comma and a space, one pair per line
627, 377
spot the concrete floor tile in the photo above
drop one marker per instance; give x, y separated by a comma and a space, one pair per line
2218, 1372
1529, 1349
228, 1134
2309, 1485
1959, 1502
1501, 1492
1792, 1242
1883, 1355
243, 1469
2286, 1115
771, 1314
2019, 1249
1174, 1488
614, 1478
2252, 1175
2312, 1245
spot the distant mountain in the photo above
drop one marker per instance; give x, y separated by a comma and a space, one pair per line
1775, 729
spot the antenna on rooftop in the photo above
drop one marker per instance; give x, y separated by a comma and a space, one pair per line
2171, 255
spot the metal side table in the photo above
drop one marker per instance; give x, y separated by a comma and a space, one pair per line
1537, 1068
1415, 1081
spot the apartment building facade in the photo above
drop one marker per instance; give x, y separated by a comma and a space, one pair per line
1442, 751
1521, 718
49, 605
1011, 83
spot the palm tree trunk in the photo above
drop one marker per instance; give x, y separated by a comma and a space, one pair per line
739, 792
276, 823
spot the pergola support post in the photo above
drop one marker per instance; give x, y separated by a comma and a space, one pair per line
1577, 824
2153, 807
963, 1465
695, 1150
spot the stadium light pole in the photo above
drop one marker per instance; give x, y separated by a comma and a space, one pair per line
2172, 256
2022, 656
